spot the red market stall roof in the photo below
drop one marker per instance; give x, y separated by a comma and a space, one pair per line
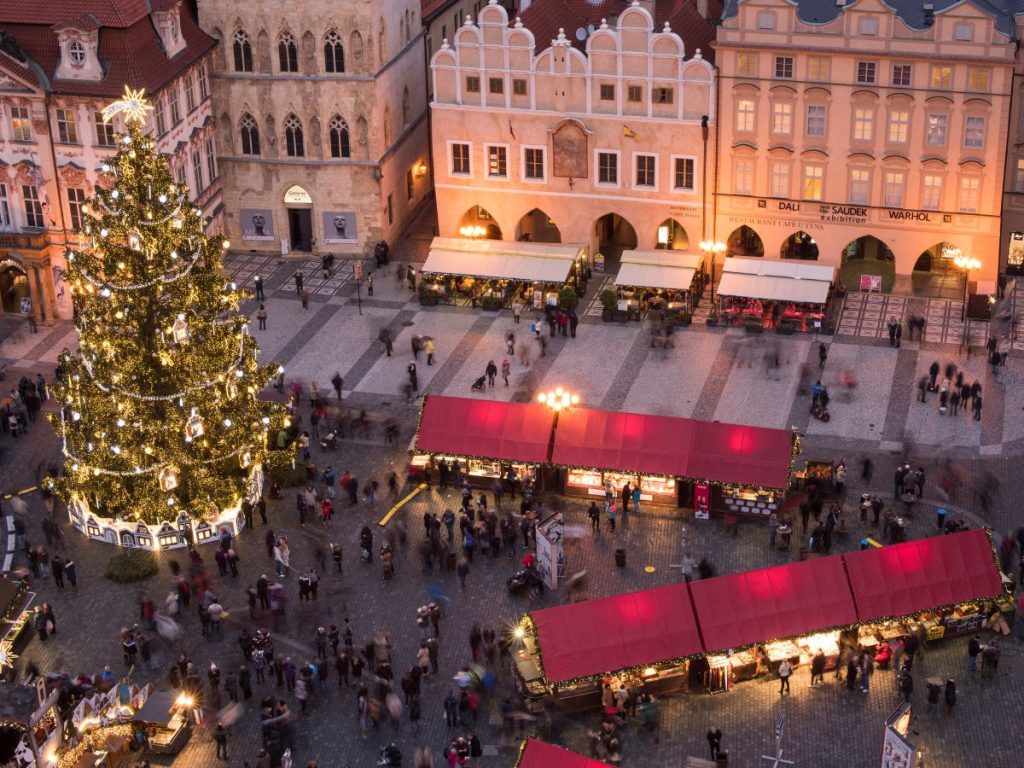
486, 428
664, 445
595, 637
784, 601
538, 754
921, 575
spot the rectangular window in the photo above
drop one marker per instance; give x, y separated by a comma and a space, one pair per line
33, 208
963, 33
863, 124
197, 171
172, 97
646, 170
782, 119
784, 67
391, 209
607, 168
818, 68
746, 64
936, 135
867, 25
765, 20
941, 76
931, 192
970, 192
867, 72
211, 161
1018, 179
974, 132
518, 87
979, 79
899, 126
533, 163
895, 183
814, 182
860, 186
662, 95
472, 84
497, 162
816, 120
190, 94
76, 199
181, 175
901, 75
682, 173
744, 116
21, 125
67, 130
607, 92
460, 159
635, 94
495, 85
780, 180
5, 210
204, 88
158, 116
104, 130
743, 177
410, 185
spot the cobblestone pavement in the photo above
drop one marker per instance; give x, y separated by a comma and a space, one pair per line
715, 374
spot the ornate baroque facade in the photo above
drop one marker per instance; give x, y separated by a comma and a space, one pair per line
59, 67
321, 119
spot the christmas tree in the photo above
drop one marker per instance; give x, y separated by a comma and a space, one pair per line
160, 409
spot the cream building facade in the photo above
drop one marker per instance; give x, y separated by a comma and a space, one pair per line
601, 146
321, 120
869, 131
58, 69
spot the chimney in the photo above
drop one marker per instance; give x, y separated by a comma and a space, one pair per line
702, 8
929, 14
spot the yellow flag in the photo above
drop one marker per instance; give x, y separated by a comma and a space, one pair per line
628, 132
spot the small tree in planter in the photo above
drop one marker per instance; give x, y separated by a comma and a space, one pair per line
567, 298
609, 301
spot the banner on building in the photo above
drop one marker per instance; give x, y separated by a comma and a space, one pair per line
257, 224
340, 227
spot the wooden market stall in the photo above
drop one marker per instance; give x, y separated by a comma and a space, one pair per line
669, 282
494, 273
167, 719
788, 296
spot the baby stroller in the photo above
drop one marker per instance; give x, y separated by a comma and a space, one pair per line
478, 385
329, 441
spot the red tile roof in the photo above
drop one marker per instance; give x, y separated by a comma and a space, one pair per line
131, 55
545, 17
109, 13
430, 7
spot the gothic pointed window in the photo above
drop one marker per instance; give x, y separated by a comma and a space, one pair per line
243, 52
339, 137
334, 53
293, 137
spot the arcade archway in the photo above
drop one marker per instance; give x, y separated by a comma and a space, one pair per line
936, 274
13, 286
672, 236
615, 232
799, 245
744, 242
868, 256
537, 227
479, 217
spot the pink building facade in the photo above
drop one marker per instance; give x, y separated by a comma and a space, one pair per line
864, 132
609, 146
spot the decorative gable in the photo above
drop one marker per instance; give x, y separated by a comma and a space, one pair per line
167, 20
79, 43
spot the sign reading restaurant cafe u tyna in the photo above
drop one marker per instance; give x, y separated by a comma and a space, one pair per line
832, 213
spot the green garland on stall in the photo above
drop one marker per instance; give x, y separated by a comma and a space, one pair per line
521, 752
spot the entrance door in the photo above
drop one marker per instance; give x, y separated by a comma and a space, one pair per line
13, 288
300, 228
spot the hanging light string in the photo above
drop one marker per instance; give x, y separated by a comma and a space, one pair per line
142, 222
165, 279
87, 364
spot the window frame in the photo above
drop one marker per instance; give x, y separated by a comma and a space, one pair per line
925, 187
617, 154
525, 164
637, 156
76, 199
67, 125
787, 166
945, 79
21, 123
246, 133
853, 199
468, 159
675, 160
783, 64
942, 119
863, 117
891, 124
197, 171
211, 160
765, 20
294, 136
658, 94
745, 162
637, 91
606, 92
338, 125
507, 175
519, 87
6, 222
32, 206
473, 80
496, 86
241, 50
172, 97
906, 75
867, 72
104, 131
204, 85
823, 117
867, 26
744, 113
779, 112
819, 178
287, 54
960, 28
77, 52
159, 117
335, 64
978, 87
894, 190
974, 190
188, 85
824, 64
746, 64
979, 133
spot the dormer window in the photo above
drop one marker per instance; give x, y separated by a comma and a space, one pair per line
76, 52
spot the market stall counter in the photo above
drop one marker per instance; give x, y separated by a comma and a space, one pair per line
783, 295
166, 717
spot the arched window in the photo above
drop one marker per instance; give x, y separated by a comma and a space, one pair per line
405, 107
243, 52
334, 52
293, 137
288, 53
387, 127
380, 41
339, 137
250, 135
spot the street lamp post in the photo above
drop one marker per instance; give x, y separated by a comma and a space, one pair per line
966, 263
712, 248
558, 399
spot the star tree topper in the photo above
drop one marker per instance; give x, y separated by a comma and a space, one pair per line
132, 103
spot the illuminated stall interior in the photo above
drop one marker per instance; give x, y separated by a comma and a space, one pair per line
784, 295
662, 280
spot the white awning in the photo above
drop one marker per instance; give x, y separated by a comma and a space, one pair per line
769, 288
653, 276
499, 259
663, 258
777, 268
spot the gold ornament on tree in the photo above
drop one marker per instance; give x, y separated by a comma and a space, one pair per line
194, 427
179, 331
168, 479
